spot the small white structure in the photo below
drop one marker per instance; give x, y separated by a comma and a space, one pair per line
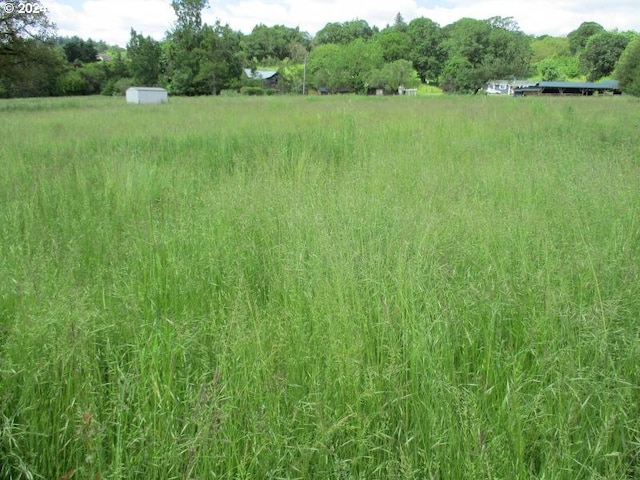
411, 92
147, 95
506, 87
498, 87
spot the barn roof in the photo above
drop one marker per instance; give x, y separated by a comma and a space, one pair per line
610, 84
571, 88
260, 74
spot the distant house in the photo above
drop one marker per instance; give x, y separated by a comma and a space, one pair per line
266, 78
498, 87
147, 95
103, 57
505, 87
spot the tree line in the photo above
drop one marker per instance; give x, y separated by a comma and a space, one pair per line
195, 58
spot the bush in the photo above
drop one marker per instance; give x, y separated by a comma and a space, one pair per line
122, 85
252, 91
117, 87
230, 92
108, 88
71, 83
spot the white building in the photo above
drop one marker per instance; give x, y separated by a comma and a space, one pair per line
147, 95
506, 87
498, 87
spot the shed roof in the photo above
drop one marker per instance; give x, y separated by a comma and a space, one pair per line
148, 89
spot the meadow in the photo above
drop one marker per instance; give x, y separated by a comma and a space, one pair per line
320, 288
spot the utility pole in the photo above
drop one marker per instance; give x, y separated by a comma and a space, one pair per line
304, 75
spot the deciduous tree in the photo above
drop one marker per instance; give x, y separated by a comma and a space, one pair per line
144, 54
627, 70
458, 76
395, 74
220, 63
343, 33
29, 64
276, 43
395, 44
17, 25
427, 50
183, 44
201, 59
509, 49
601, 54
547, 47
323, 66
549, 70
579, 37
468, 38
345, 67
484, 49
189, 13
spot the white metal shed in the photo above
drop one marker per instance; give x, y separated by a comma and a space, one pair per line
147, 95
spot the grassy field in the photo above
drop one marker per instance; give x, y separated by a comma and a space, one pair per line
320, 287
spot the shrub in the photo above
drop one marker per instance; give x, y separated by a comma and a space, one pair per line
117, 87
252, 91
71, 83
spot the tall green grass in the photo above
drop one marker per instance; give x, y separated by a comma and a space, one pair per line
428, 288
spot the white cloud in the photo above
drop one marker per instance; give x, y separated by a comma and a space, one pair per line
310, 15
549, 17
111, 20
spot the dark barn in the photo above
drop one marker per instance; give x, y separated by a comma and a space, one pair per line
609, 87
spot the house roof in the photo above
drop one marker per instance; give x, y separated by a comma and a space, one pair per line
514, 82
260, 74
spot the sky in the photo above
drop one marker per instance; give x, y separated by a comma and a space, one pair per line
112, 20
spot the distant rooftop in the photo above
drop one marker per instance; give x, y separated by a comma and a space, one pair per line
613, 84
570, 88
148, 89
259, 74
